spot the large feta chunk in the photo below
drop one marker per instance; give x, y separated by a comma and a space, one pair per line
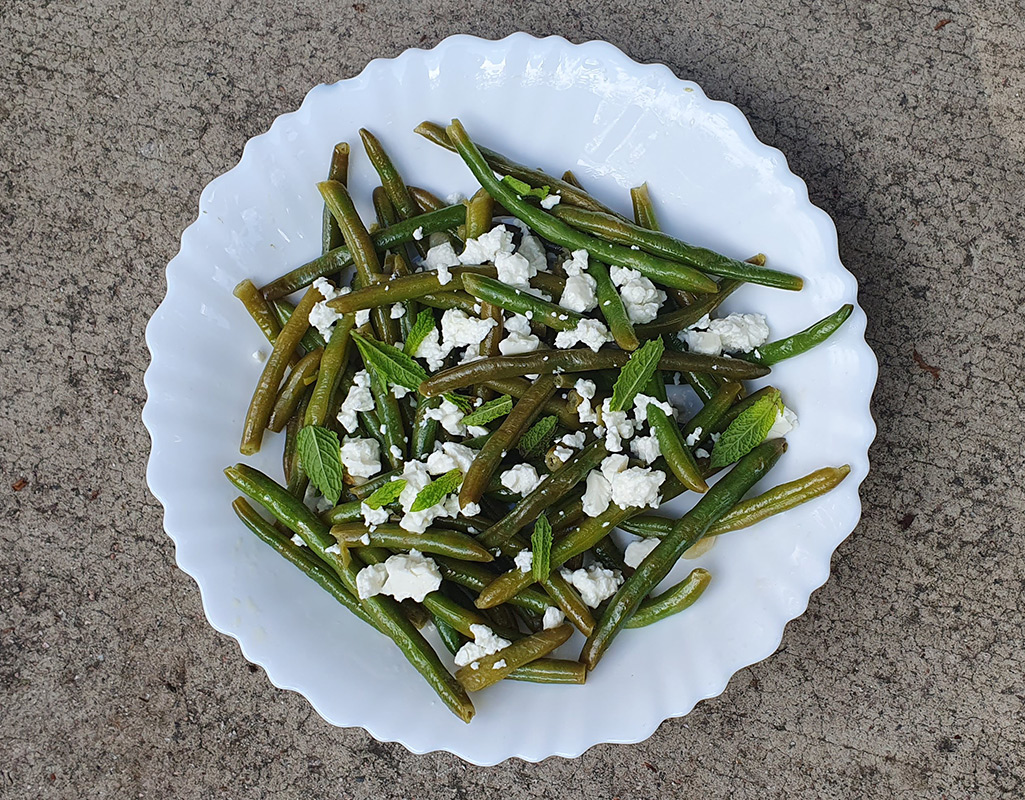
706, 343
617, 424
518, 338
595, 584
358, 399
514, 270
597, 494
485, 642
440, 258
640, 296
459, 329
521, 479
786, 421
588, 331
579, 294
432, 350
449, 456
553, 618
403, 576
645, 448
361, 457
416, 475
637, 551
524, 560
373, 516
486, 247
586, 389
450, 417
740, 333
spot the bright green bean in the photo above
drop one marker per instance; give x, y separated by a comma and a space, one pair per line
671, 601
675, 450
802, 342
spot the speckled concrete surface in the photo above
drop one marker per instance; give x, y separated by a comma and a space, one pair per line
903, 680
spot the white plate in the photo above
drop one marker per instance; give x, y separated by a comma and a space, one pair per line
616, 123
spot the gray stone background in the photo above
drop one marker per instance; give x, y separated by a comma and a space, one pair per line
903, 680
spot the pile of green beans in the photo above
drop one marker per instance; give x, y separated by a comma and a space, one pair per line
493, 514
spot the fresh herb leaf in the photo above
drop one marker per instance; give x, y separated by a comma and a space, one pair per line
524, 189
421, 328
538, 437
462, 402
389, 364
541, 546
320, 454
747, 431
434, 492
490, 411
635, 374
387, 494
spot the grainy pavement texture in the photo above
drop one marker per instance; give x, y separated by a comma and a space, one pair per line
903, 679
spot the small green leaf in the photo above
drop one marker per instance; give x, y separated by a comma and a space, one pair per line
538, 437
524, 189
421, 328
389, 364
387, 494
541, 545
747, 431
490, 411
635, 374
320, 454
462, 402
434, 492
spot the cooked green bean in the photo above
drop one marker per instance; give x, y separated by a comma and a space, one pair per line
549, 491
675, 450
707, 419
447, 300
345, 512
425, 428
426, 200
517, 387
490, 669
332, 365
617, 230
331, 236
312, 339
704, 385
671, 601
657, 269
392, 181
385, 239
476, 576
479, 214
802, 342
545, 363
490, 290
567, 599
398, 290
392, 429
383, 610
644, 209
302, 375
673, 322
433, 540
566, 190
288, 456
262, 404
301, 557
609, 554
259, 309
523, 414
719, 499
550, 670
450, 637
610, 304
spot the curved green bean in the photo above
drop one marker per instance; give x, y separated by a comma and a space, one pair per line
332, 365
433, 540
475, 576
802, 342
302, 375
490, 290
312, 339
610, 304
675, 450
671, 601
491, 669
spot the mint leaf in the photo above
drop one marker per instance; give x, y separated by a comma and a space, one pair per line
541, 546
389, 364
320, 454
635, 374
747, 431
387, 494
421, 328
434, 492
462, 402
490, 411
538, 437
524, 189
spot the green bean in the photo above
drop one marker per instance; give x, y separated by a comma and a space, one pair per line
618, 231
262, 404
566, 190
490, 669
607, 552
426, 200
550, 670
550, 490
567, 599
517, 387
704, 385
400, 268
398, 290
450, 637
688, 530
342, 513
490, 290
303, 374
501, 616
576, 541
488, 347
383, 610
475, 576
802, 342
258, 308
479, 214
523, 414
571, 179
610, 304
644, 209
447, 300
312, 339
657, 269
568, 513
671, 601
425, 429
332, 365
391, 428
288, 456
398, 194
707, 419
331, 236
384, 239
547, 362
301, 557
675, 321
433, 540
675, 450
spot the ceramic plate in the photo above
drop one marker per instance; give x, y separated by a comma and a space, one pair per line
557, 105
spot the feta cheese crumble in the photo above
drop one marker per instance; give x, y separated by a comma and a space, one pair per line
418, 234
440, 258
398, 311
588, 331
586, 390
417, 477
361, 457
617, 424
459, 329
524, 560
637, 551
402, 576
521, 479
450, 417
579, 294
551, 201
358, 399
740, 333
595, 584
486, 247
518, 338
485, 642
640, 297
786, 421
373, 517
645, 448
553, 618
449, 456
514, 270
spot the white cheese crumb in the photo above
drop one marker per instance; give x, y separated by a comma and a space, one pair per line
418, 234
785, 422
645, 448
486, 247
398, 311
530, 248
706, 343
459, 329
597, 494
358, 399
432, 351
298, 540
361, 457
553, 618
450, 456
450, 417
562, 453
641, 403
694, 437
579, 294
595, 584
588, 331
500, 664
373, 517
586, 390
637, 551
551, 201
640, 297
521, 479
740, 333
417, 477
440, 258
260, 355
514, 270
518, 338
524, 560
402, 576
485, 642
617, 424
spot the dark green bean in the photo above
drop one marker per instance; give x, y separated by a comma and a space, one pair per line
673, 322
688, 530
675, 450
303, 374
802, 342
428, 201
392, 428
479, 214
550, 670
567, 599
288, 456
433, 540
450, 637
332, 365
475, 576
517, 387
312, 339
610, 304
331, 236
608, 553
259, 309
707, 419
671, 601
490, 290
